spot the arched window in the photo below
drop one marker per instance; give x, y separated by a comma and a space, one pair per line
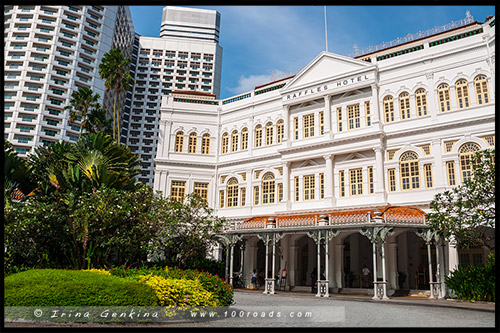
234, 141
404, 105
421, 102
408, 168
232, 193
462, 94
389, 109
225, 143
179, 142
481, 85
244, 139
268, 188
269, 133
192, 143
280, 130
205, 144
258, 136
465, 154
444, 97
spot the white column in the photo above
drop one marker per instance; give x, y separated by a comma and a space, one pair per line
318, 263
164, 183
273, 272
286, 183
231, 247
156, 184
267, 264
287, 136
439, 277
431, 97
374, 252
327, 259
429, 258
251, 135
383, 270
328, 117
249, 193
329, 178
374, 105
438, 172
379, 170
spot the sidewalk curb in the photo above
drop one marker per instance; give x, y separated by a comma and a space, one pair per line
470, 307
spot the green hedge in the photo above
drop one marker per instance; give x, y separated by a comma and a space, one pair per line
222, 291
474, 283
51, 287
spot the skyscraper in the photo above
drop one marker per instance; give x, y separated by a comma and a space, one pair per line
51, 51
187, 57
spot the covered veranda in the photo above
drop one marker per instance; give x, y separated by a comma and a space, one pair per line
328, 252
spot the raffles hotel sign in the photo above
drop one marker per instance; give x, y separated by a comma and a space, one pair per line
328, 87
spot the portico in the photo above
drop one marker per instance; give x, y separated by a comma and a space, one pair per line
302, 245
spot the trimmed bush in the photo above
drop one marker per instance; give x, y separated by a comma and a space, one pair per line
179, 292
221, 290
51, 287
474, 283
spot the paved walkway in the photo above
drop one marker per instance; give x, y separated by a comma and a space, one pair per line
407, 300
253, 309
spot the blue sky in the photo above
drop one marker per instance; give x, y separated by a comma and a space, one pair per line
261, 43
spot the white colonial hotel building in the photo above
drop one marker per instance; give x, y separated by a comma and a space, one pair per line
349, 151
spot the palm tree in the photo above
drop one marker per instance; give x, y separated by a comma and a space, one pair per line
16, 174
114, 69
82, 102
98, 121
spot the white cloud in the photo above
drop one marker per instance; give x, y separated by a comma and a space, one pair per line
250, 82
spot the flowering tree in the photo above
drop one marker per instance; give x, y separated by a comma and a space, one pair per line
185, 229
467, 212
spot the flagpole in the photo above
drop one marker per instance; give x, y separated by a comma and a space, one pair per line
326, 32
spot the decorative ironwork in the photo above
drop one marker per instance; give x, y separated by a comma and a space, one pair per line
323, 288
269, 286
291, 221
379, 290
411, 37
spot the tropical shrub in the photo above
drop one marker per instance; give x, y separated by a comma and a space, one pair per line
36, 234
50, 287
179, 292
221, 290
474, 283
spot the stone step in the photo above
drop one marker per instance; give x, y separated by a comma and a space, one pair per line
419, 293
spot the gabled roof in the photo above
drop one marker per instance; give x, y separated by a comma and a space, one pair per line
326, 65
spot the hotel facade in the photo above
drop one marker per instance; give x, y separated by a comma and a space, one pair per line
333, 169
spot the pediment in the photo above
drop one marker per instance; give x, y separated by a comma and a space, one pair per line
308, 163
325, 66
354, 156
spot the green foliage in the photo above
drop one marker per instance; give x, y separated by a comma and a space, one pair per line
207, 265
179, 292
81, 104
36, 234
114, 70
474, 283
185, 229
113, 227
49, 287
16, 174
222, 291
467, 212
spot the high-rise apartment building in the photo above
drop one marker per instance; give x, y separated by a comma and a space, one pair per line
51, 51
187, 57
